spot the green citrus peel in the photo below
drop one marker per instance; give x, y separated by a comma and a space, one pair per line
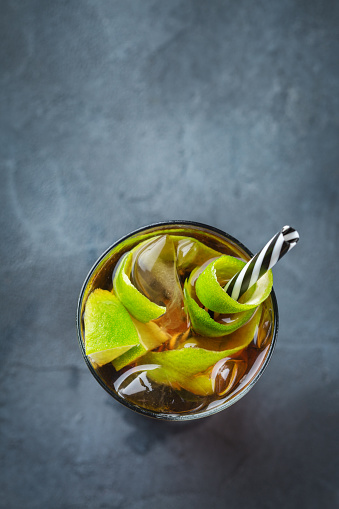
201, 384
109, 330
187, 366
214, 297
150, 337
135, 302
202, 323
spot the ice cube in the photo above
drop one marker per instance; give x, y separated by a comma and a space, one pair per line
192, 253
154, 274
227, 373
265, 328
136, 386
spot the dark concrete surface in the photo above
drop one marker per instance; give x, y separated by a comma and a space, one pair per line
115, 114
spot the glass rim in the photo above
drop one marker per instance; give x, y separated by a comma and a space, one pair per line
173, 416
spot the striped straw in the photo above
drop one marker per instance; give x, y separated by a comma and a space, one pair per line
264, 260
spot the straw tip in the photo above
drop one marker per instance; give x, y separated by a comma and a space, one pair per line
291, 236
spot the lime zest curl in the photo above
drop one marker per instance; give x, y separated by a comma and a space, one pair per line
203, 324
214, 297
139, 306
109, 330
187, 365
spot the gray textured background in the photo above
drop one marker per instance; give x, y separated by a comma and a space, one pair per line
115, 114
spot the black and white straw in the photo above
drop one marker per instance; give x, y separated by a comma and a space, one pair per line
264, 260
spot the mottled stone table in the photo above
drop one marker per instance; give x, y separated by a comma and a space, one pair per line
115, 114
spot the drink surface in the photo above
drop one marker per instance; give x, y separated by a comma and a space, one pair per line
189, 358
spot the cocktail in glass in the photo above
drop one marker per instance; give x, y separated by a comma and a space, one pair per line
182, 369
